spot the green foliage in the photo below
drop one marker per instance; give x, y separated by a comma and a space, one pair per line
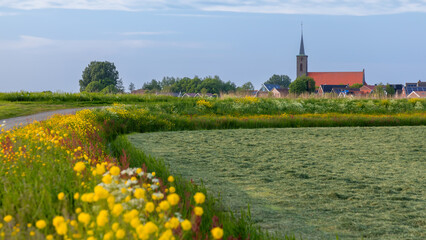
281, 80
356, 85
302, 84
389, 90
103, 72
110, 90
94, 86
191, 85
248, 86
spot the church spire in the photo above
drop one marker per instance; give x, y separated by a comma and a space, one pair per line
302, 46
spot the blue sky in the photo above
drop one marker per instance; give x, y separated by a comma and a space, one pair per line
46, 44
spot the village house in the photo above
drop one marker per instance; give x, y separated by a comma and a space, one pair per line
272, 90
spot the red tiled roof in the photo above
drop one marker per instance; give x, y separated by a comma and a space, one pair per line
337, 78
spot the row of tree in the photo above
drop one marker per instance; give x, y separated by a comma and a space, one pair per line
104, 77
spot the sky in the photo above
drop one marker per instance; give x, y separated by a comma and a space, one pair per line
46, 44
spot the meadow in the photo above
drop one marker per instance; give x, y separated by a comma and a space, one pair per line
312, 182
78, 176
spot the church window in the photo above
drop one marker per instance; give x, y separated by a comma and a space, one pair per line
301, 67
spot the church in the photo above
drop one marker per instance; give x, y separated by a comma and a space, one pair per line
327, 78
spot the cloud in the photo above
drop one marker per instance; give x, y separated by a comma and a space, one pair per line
325, 7
25, 43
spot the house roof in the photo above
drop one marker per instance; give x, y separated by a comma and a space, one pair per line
269, 87
328, 88
420, 94
336, 78
282, 90
408, 90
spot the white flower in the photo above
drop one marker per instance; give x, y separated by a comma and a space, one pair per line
149, 175
153, 187
155, 180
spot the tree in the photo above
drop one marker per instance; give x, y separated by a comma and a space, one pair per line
104, 73
390, 90
302, 84
131, 87
281, 80
248, 86
154, 85
379, 90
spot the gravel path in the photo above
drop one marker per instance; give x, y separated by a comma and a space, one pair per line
12, 122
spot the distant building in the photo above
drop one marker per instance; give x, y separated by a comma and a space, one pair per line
417, 94
326, 78
272, 90
325, 88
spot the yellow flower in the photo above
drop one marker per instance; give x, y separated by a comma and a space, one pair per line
139, 193
101, 192
115, 171
115, 227
186, 225
164, 205
135, 222
153, 174
57, 220
100, 169
150, 227
91, 238
198, 211
1, 225
79, 166
172, 189
171, 179
167, 235
199, 197
76, 196
62, 228
108, 236
84, 218
107, 179
117, 209
61, 196
217, 233
49, 237
120, 234
102, 218
128, 216
173, 199
8, 218
32, 233
40, 224
174, 222
149, 207
78, 210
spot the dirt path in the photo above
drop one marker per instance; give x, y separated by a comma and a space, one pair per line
12, 122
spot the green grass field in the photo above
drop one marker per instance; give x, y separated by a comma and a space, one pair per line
314, 182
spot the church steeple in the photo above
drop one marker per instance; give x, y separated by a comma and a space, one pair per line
302, 59
302, 46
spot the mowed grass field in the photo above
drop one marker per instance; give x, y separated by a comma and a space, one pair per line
312, 182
